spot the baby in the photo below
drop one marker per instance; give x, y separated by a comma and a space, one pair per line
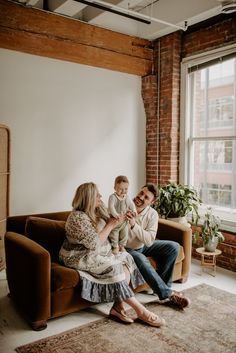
118, 204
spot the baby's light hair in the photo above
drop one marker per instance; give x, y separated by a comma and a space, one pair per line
121, 179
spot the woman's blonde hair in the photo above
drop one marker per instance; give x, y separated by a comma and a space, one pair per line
85, 201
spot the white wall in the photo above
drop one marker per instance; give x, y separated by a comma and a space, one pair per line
69, 124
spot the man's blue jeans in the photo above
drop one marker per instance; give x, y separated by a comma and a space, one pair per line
165, 252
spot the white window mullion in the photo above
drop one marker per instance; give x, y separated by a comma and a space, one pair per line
208, 158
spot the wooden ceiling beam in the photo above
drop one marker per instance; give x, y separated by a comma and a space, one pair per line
43, 33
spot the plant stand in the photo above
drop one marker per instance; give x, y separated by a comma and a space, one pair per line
208, 259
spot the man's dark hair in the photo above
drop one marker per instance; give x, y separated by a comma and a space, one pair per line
153, 189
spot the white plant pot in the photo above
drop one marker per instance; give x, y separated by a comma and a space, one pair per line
211, 245
181, 220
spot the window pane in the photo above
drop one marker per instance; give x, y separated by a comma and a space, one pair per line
213, 92
212, 134
214, 172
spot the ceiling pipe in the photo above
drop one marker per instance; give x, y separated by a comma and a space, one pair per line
129, 13
98, 5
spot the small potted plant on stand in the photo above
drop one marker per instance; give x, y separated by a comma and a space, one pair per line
209, 233
176, 201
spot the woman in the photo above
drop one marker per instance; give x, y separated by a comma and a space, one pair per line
105, 277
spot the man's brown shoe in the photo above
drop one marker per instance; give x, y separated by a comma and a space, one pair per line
179, 299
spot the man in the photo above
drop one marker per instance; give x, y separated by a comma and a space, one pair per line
142, 243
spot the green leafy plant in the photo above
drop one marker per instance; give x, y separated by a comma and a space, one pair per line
209, 229
176, 200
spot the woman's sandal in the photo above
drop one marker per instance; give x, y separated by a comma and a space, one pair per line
121, 315
153, 320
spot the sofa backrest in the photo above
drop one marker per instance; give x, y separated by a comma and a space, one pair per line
48, 233
17, 223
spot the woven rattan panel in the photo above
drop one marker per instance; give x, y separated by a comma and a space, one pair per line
4, 186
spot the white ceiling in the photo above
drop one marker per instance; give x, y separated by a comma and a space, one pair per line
174, 12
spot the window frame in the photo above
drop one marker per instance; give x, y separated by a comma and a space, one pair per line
186, 152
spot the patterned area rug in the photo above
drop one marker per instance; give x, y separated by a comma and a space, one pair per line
208, 326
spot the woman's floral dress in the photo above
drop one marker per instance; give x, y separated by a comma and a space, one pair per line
102, 273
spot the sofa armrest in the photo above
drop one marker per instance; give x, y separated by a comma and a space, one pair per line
169, 230
28, 269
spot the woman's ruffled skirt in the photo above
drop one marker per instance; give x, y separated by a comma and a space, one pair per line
106, 282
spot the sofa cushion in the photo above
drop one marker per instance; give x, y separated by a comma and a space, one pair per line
49, 233
63, 277
180, 258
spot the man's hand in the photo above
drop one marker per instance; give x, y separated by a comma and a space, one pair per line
131, 218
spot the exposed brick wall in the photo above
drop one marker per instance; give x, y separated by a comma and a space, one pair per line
228, 257
149, 95
163, 117
163, 165
228, 247
214, 36
170, 57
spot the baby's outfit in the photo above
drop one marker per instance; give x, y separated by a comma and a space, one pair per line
116, 207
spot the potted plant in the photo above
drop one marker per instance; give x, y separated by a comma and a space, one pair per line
209, 233
176, 201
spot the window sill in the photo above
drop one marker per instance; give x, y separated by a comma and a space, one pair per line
228, 229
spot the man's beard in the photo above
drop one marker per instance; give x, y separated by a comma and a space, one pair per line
138, 202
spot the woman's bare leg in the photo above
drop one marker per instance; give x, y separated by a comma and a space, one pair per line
144, 314
136, 305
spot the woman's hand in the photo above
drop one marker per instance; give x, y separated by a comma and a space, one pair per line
114, 222
110, 225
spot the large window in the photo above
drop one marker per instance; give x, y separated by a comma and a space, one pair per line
209, 131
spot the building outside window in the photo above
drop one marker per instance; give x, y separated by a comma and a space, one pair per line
208, 133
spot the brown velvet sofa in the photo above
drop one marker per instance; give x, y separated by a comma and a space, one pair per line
40, 286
